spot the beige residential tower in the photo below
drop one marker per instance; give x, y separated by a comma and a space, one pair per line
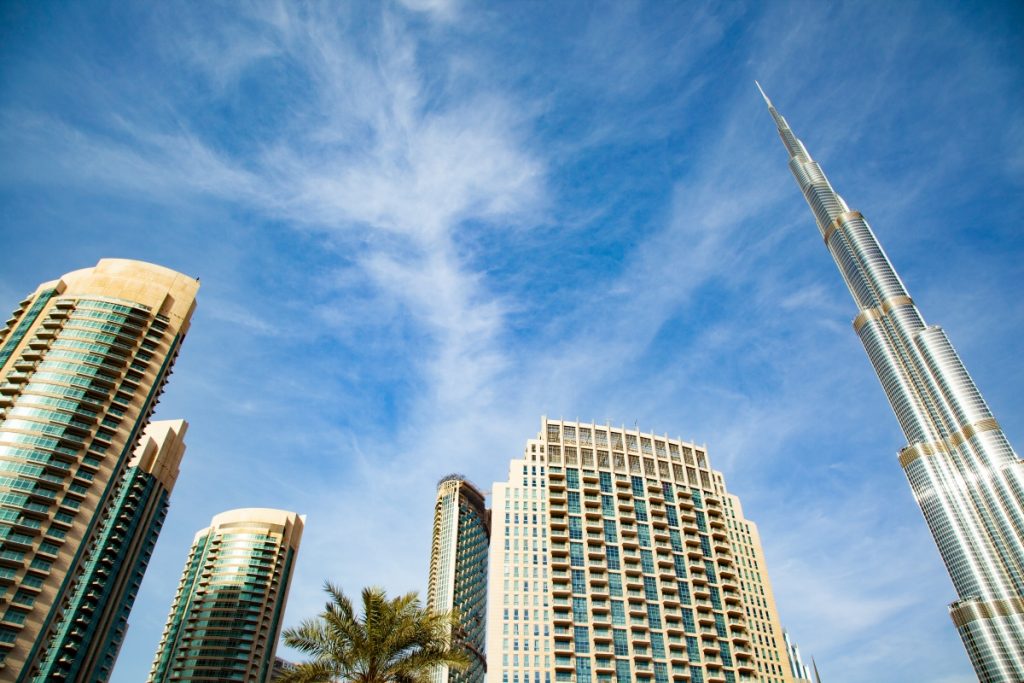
618, 555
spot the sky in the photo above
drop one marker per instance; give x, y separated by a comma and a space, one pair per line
422, 225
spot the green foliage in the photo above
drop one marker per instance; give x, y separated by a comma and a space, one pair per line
392, 641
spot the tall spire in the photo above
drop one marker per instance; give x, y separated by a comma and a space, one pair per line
964, 474
789, 139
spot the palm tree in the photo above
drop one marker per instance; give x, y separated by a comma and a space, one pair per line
393, 641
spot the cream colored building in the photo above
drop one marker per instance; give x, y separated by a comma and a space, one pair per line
83, 360
225, 621
618, 555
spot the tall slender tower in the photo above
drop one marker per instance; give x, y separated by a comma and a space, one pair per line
458, 570
83, 361
963, 471
88, 636
618, 555
226, 617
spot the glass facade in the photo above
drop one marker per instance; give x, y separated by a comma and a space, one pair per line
458, 571
82, 362
89, 633
964, 473
226, 617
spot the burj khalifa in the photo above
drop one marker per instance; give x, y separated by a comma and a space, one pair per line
963, 471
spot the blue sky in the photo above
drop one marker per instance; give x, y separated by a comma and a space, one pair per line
422, 225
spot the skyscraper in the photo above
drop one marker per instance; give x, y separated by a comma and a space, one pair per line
963, 471
458, 570
800, 672
618, 555
83, 361
226, 617
89, 633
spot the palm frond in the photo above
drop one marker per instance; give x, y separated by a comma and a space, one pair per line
393, 640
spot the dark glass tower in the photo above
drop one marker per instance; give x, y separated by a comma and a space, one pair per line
964, 474
458, 571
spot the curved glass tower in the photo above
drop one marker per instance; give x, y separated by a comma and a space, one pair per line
963, 471
225, 621
83, 361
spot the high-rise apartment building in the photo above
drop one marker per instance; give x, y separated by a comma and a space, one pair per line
618, 555
458, 571
964, 474
226, 617
83, 361
88, 636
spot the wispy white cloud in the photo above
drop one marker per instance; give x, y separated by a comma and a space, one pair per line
447, 229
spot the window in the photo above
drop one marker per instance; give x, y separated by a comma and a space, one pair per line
612, 555
44, 565
726, 654
647, 561
639, 508
658, 645
583, 670
615, 584
720, 626
576, 554
688, 622
680, 565
579, 581
618, 613
14, 616
49, 548
579, 610
638, 486
581, 636
621, 646
575, 528
692, 649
